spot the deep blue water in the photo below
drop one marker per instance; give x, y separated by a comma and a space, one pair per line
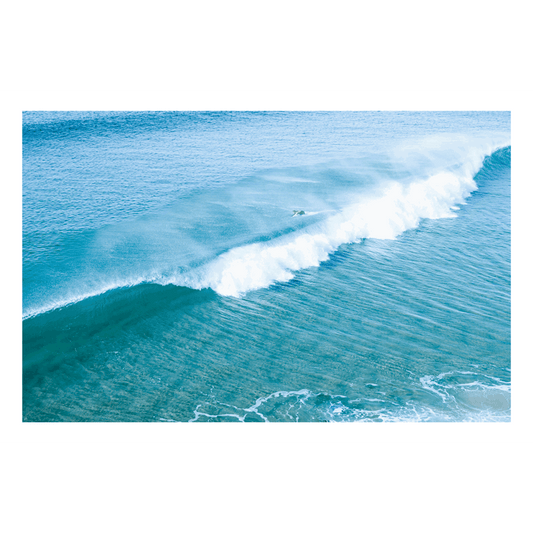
254, 266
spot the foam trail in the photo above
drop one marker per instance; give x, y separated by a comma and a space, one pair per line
75, 298
384, 216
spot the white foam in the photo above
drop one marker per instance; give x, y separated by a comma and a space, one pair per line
293, 405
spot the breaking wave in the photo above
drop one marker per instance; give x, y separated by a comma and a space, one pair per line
383, 212
385, 215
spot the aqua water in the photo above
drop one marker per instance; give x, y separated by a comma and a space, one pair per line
266, 266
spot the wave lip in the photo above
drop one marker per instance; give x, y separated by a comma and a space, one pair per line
75, 298
398, 208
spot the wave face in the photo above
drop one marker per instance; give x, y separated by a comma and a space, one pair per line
194, 227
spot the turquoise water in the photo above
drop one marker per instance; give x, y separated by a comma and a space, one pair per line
274, 266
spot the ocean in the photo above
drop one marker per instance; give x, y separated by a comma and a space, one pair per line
266, 266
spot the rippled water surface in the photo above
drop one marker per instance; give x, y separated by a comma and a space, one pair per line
280, 266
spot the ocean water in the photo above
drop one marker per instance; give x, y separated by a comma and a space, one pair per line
266, 266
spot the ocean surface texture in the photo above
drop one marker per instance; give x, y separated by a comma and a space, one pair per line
266, 266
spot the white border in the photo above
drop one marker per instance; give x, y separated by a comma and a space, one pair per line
15, 100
